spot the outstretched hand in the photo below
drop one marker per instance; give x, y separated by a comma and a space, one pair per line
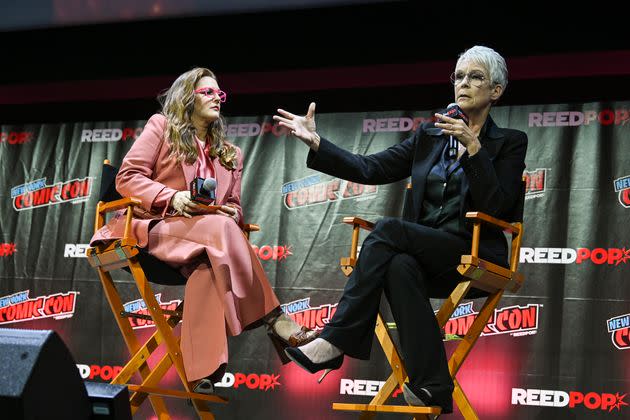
301, 127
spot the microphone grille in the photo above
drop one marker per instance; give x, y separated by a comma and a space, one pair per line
209, 184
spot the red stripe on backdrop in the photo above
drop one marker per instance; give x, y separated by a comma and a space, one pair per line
592, 64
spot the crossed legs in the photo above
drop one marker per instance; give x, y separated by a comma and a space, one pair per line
409, 263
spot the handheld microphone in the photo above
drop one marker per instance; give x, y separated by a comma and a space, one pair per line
454, 111
203, 190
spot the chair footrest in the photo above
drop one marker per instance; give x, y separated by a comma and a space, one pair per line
176, 394
178, 314
387, 408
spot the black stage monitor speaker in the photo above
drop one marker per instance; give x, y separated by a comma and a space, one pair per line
109, 402
39, 378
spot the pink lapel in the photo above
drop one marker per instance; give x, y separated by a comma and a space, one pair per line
224, 180
189, 172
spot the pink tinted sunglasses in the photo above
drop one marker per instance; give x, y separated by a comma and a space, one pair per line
211, 92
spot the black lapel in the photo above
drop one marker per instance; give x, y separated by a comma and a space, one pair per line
491, 139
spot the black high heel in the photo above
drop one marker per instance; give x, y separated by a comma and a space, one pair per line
412, 399
305, 363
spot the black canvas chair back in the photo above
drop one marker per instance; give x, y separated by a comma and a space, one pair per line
156, 271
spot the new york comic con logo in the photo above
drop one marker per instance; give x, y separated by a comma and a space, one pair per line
140, 308
514, 320
19, 307
37, 194
622, 186
314, 318
619, 329
313, 190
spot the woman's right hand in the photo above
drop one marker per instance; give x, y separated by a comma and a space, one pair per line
183, 205
301, 127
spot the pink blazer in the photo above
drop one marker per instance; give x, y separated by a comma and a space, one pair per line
147, 170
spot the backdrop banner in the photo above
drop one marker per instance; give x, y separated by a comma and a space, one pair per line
558, 348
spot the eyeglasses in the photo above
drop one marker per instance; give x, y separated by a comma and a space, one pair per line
212, 92
475, 78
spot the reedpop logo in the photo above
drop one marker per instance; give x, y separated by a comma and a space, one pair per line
572, 399
577, 118
110, 134
275, 253
597, 256
16, 137
7, 249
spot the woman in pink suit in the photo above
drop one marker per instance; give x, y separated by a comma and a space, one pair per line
227, 290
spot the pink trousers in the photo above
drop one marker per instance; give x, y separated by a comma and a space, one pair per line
227, 288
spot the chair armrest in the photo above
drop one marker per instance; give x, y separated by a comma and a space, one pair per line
119, 204
478, 216
357, 221
250, 227
348, 263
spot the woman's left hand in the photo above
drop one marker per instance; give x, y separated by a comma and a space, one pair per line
228, 211
459, 129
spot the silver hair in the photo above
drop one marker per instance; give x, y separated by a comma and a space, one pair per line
491, 60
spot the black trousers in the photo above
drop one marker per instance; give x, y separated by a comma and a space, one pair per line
410, 263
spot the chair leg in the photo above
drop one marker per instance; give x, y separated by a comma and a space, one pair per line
387, 343
131, 341
464, 348
137, 398
144, 352
451, 303
462, 402
398, 376
172, 345
475, 330
158, 318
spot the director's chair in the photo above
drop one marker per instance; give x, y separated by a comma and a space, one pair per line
475, 273
124, 253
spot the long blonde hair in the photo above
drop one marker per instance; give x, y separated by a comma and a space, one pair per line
178, 104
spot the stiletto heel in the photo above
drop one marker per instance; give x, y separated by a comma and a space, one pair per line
280, 346
321, 378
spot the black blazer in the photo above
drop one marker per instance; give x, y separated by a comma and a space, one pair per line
493, 174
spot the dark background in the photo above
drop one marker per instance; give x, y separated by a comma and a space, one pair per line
120, 57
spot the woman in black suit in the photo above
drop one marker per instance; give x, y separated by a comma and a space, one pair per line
412, 260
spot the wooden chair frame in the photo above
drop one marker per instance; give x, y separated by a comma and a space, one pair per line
475, 272
124, 253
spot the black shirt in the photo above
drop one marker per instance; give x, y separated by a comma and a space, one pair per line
441, 204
